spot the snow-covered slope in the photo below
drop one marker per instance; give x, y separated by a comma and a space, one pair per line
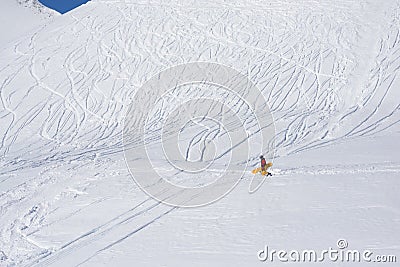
328, 70
19, 18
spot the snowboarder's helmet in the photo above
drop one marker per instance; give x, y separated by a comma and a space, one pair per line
261, 157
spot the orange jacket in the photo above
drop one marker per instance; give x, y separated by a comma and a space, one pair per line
263, 162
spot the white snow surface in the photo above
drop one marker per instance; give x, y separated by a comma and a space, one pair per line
328, 69
19, 18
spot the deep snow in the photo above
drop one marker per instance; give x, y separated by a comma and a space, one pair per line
18, 18
328, 70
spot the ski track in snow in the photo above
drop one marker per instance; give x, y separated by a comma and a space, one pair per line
65, 89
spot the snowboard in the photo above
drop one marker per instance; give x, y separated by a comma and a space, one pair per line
263, 172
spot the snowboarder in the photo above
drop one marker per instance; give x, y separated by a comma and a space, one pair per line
263, 163
265, 166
